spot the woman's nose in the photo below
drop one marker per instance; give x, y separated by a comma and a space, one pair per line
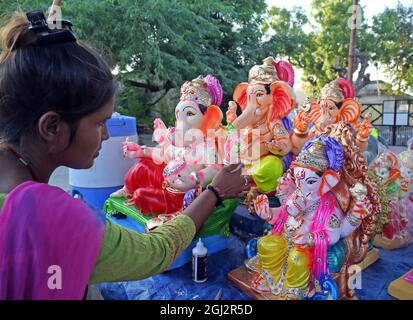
105, 133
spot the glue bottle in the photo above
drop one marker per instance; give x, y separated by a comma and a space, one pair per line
199, 262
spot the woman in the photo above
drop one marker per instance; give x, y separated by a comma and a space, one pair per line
55, 97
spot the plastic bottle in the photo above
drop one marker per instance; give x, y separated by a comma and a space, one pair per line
199, 262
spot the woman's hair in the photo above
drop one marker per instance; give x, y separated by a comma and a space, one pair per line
68, 78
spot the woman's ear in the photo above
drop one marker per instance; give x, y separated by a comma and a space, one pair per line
53, 130
240, 95
349, 111
330, 180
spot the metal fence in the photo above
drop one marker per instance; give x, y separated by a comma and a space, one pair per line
393, 120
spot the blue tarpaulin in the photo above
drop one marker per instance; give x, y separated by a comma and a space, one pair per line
178, 285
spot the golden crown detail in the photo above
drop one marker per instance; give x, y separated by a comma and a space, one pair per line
333, 91
196, 90
265, 73
313, 157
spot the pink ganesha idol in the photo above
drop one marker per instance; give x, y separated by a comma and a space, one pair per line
394, 234
402, 288
293, 257
406, 189
186, 155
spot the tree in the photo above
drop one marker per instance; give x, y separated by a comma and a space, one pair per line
393, 31
322, 53
289, 39
157, 45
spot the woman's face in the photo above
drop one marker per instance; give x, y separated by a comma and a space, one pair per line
91, 132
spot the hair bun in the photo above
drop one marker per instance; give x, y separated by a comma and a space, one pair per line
15, 34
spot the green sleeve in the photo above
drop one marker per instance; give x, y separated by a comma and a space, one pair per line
127, 255
2, 199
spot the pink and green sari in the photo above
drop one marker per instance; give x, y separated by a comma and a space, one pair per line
49, 243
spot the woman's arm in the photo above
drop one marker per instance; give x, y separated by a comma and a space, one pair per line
228, 182
127, 255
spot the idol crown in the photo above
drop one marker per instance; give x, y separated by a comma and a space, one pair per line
196, 90
314, 157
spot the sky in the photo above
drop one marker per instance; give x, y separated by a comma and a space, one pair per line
370, 8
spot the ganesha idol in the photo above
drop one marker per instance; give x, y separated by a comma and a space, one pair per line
336, 103
292, 259
184, 158
394, 234
259, 137
406, 163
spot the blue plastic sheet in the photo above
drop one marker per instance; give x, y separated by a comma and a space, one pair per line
178, 285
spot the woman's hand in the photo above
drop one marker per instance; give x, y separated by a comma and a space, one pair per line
230, 183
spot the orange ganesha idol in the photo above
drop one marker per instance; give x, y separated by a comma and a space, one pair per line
259, 137
336, 103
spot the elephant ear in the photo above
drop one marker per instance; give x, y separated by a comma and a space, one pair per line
213, 118
240, 95
315, 112
283, 100
349, 111
330, 180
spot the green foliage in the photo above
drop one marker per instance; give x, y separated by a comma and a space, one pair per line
155, 46
158, 45
394, 44
318, 51
389, 41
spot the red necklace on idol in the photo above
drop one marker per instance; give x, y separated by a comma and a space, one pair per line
24, 162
